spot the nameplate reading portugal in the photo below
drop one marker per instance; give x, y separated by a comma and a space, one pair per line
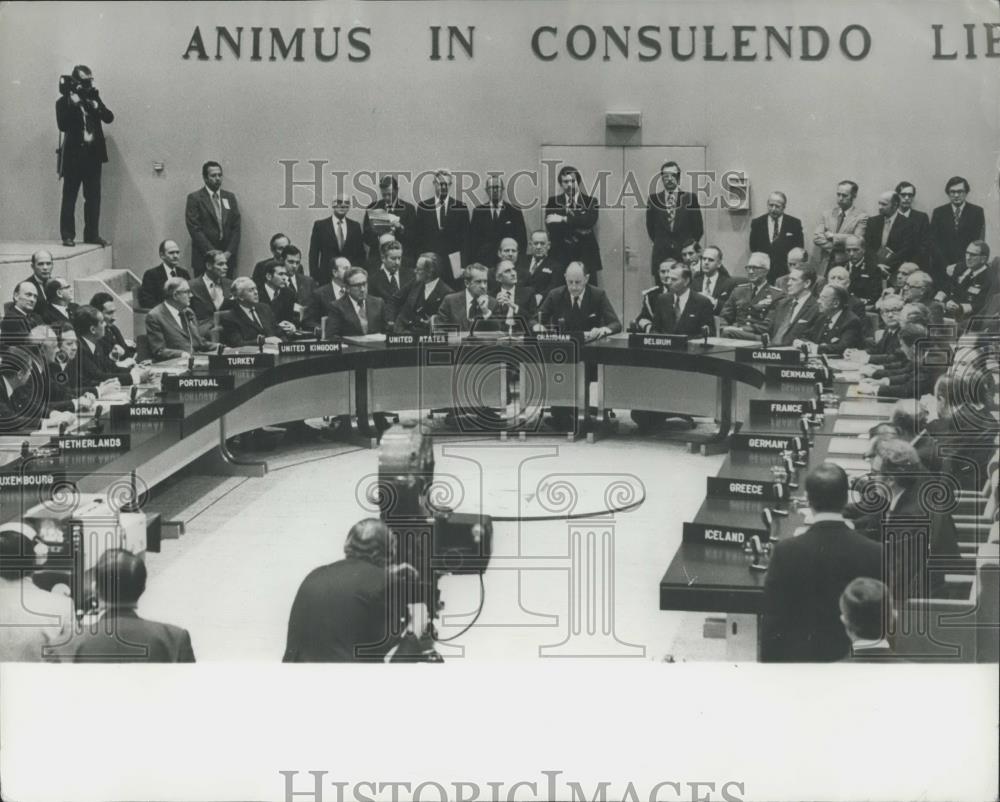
720, 487
802, 375
716, 535
773, 356
764, 408
768, 443
20, 480
115, 442
240, 361
671, 342
150, 412
310, 349
410, 340
197, 384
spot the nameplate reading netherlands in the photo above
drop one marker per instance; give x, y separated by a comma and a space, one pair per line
721, 487
773, 356
405, 340
765, 442
150, 412
310, 349
240, 361
795, 375
116, 442
718, 535
195, 384
672, 342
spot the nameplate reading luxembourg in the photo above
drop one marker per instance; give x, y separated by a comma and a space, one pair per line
240, 361
409, 340
721, 487
671, 342
33, 479
765, 408
152, 412
773, 356
718, 535
110, 442
802, 375
310, 349
768, 443
197, 384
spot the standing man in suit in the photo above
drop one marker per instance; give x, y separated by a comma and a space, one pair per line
332, 237
210, 291
473, 306
682, 310
775, 234
921, 224
839, 328
247, 319
571, 220
809, 572
746, 311
213, 219
672, 217
517, 307
402, 222
20, 319
866, 278
416, 303
492, 222
953, 227
714, 280
171, 326
442, 228
890, 238
275, 293
390, 276
41, 272
544, 272
795, 316
838, 223
81, 115
60, 307
357, 313
277, 246
970, 286
327, 295
153, 280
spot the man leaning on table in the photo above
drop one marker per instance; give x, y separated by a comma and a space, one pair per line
171, 326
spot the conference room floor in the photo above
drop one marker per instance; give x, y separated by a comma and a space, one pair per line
230, 579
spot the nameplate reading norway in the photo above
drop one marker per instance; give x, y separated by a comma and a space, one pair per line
310, 349
718, 535
765, 408
721, 487
196, 384
409, 340
776, 373
768, 443
672, 342
136, 412
240, 361
111, 442
774, 356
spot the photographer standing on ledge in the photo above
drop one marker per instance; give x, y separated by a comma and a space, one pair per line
79, 115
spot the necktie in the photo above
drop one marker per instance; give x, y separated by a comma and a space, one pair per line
473, 309
218, 208
340, 234
440, 211
393, 284
710, 286
363, 317
216, 294
496, 214
576, 304
958, 215
256, 320
840, 220
534, 266
677, 308
885, 231
774, 230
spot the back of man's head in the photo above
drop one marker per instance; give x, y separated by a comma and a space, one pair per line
369, 540
900, 461
120, 576
865, 607
17, 556
826, 488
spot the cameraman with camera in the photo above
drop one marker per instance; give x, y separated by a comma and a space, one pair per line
80, 113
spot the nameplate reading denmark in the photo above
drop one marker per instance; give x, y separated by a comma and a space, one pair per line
240, 361
310, 349
197, 384
32, 479
768, 443
777, 373
763, 408
138, 412
409, 340
111, 442
672, 342
720, 487
717, 535
774, 356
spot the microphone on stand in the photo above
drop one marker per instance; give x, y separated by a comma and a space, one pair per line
260, 343
765, 340
705, 332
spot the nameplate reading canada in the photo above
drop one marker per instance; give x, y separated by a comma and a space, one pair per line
774, 356
721, 487
718, 535
310, 349
111, 442
147, 412
671, 342
240, 361
195, 384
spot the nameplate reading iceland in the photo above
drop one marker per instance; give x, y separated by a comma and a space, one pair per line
137, 412
802, 375
310, 349
32, 479
721, 487
405, 340
240, 361
760, 442
672, 342
763, 408
717, 535
774, 356
195, 384
111, 442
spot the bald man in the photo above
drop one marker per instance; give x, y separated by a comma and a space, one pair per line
866, 278
775, 234
41, 272
890, 238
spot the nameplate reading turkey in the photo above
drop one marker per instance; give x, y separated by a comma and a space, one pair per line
716, 535
671, 342
110, 442
720, 487
30, 479
310, 349
140, 412
766, 442
240, 361
803, 375
195, 384
763, 408
773, 356
409, 340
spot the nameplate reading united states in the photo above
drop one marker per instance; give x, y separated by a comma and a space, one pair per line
718, 535
310, 349
111, 442
240, 361
147, 412
774, 356
721, 487
398, 340
802, 375
194, 384
672, 342
765, 442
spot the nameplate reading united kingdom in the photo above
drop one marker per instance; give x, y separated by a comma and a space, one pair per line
405, 340
721, 487
764, 408
195, 384
672, 342
765, 442
717, 535
310, 349
139, 412
774, 356
240, 361
802, 375
110, 442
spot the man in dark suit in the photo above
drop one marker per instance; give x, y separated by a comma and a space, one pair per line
516, 304
80, 115
649, 296
327, 295
393, 216
919, 220
171, 327
745, 313
808, 573
890, 237
866, 278
412, 308
20, 318
334, 236
672, 217
714, 280
953, 227
682, 310
775, 234
886, 347
571, 220
970, 284
473, 306
48, 387
544, 273
442, 227
60, 307
303, 287
246, 320
867, 615
153, 280
93, 365
213, 219
839, 328
491, 222
41, 272
210, 291
115, 343
122, 636
357, 313
579, 307
386, 280
277, 245
912, 375
275, 292
795, 316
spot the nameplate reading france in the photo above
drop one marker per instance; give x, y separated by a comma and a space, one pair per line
764, 408
721, 487
717, 535
776, 373
769, 443
116, 442
310, 349
197, 384
240, 361
774, 356
671, 342
409, 340
136, 412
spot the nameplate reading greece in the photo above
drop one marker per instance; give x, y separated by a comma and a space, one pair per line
111, 442
166, 411
718, 535
768, 443
775, 356
240, 361
406, 340
310, 349
803, 375
197, 384
672, 342
721, 487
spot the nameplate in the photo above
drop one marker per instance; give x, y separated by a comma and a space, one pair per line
30, 479
410, 340
672, 342
136, 412
772, 356
763, 408
110, 442
195, 384
557, 337
240, 361
310, 349
721, 487
802, 375
717, 535
769, 443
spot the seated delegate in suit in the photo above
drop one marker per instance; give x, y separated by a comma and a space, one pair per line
276, 245
965, 430
840, 276
919, 288
673, 218
890, 237
868, 617
838, 327
60, 307
213, 219
544, 272
153, 280
275, 292
649, 297
579, 307
357, 313
332, 237
301, 285
682, 310
953, 227
866, 278
970, 286
210, 291
509, 251
884, 349
570, 218
49, 387
121, 635
516, 305
800, 622
171, 327
795, 316
775, 234
93, 364
326, 295
473, 306
115, 343
19, 318
412, 308
746, 310
400, 219
247, 319
389, 277
912, 378
714, 280
491, 222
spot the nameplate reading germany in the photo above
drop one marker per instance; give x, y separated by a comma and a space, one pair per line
310, 349
240, 361
115, 442
717, 535
774, 356
672, 342
759, 442
196, 384
404, 340
138, 412
721, 487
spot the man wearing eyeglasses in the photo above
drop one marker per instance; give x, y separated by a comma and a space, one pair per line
672, 218
971, 284
953, 226
921, 223
357, 313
